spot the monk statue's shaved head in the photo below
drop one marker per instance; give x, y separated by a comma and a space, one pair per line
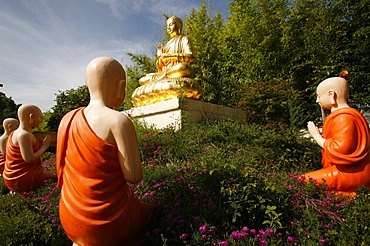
104, 76
338, 85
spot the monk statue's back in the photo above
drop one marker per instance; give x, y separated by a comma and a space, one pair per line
174, 76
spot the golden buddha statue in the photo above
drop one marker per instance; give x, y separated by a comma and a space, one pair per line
174, 77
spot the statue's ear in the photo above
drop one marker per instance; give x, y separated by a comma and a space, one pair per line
333, 97
31, 118
121, 89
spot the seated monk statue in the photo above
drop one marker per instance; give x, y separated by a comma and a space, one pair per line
97, 157
174, 72
9, 125
23, 167
345, 141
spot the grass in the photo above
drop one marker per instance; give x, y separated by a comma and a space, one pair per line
214, 183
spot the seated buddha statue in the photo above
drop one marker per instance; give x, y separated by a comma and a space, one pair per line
174, 72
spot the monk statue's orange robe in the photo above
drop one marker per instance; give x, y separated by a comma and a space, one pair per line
97, 206
2, 163
345, 156
19, 175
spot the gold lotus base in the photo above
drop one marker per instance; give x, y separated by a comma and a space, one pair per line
166, 89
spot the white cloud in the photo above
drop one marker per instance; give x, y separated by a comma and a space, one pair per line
46, 44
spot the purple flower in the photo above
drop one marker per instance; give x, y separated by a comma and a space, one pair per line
223, 243
262, 233
184, 236
270, 231
322, 241
235, 235
203, 228
242, 235
211, 231
291, 239
293, 223
245, 229
204, 237
294, 176
197, 218
253, 231
262, 242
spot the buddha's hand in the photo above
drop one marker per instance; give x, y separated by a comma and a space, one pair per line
46, 142
159, 50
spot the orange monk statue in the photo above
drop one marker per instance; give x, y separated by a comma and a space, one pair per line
97, 158
9, 125
23, 167
345, 140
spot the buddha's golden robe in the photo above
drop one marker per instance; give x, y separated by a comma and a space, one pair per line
345, 156
97, 206
19, 175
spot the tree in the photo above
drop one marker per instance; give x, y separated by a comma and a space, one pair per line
253, 40
206, 34
356, 49
65, 102
8, 109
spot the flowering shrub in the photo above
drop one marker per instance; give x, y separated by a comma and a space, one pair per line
215, 183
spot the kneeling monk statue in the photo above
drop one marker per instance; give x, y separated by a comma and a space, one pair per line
97, 156
23, 167
174, 77
9, 125
345, 140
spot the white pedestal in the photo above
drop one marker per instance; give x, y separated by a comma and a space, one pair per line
171, 113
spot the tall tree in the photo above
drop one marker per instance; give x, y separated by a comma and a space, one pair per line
206, 34
356, 50
65, 102
253, 39
8, 109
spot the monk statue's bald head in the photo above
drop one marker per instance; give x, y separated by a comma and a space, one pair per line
333, 91
106, 79
29, 115
10, 124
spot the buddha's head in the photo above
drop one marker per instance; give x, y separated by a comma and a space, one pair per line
174, 25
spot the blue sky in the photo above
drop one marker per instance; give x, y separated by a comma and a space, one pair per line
46, 44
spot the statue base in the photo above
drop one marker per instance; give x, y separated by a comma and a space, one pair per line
166, 89
173, 112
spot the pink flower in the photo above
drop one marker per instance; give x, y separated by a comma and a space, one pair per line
203, 228
223, 243
322, 241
